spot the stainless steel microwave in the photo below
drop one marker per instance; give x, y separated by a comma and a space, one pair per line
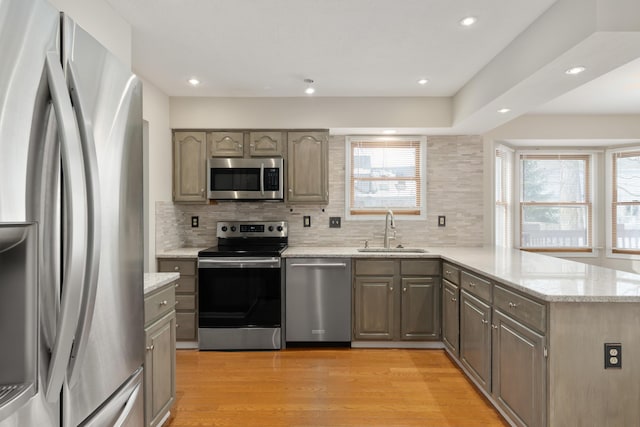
245, 179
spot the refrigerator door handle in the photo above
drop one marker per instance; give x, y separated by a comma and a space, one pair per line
94, 225
75, 226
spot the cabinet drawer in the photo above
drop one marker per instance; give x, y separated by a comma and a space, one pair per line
476, 286
185, 302
417, 267
186, 327
451, 273
158, 304
186, 284
186, 267
374, 267
521, 308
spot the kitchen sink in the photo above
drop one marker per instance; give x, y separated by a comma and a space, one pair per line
414, 250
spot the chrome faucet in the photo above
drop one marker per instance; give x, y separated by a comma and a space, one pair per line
389, 224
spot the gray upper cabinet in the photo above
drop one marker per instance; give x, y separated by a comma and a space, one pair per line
225, 144
266, 144
189, 167
308, 177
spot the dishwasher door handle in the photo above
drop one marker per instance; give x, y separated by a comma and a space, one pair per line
328, 265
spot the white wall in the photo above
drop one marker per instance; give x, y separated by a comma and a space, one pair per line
550, 131
102, 22
155, 110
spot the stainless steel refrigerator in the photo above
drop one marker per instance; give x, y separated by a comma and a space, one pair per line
71, 263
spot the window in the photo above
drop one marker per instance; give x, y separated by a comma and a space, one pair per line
385, 173
556, 202
625, 202
503, 195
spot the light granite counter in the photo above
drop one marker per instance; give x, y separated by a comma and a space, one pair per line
153, 281
544, 277
179, 253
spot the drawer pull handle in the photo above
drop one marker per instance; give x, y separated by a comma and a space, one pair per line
177, 285
177, 326
177, 302
150, 347
484, 322
165, 302
176, 268
473, 285
513, 305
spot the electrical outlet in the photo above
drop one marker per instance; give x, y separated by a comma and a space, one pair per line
612, 355
306, 221
334, 222
442, 221
195, 221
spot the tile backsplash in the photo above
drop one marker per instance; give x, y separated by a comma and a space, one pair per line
454, 189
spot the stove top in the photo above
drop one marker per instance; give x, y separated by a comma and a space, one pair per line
249, 239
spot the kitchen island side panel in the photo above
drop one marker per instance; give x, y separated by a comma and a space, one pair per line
581, 391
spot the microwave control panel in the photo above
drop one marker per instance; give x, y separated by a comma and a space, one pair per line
271, 179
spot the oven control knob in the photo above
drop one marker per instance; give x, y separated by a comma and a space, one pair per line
233, 228
279, 228
224, 228
271, 228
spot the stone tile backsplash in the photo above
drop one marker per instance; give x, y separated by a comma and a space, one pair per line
454, 189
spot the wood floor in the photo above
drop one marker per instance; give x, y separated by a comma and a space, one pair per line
326, 387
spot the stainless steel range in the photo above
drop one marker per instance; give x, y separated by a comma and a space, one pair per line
241, 286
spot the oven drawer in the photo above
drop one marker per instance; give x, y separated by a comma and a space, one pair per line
186, 267
186, 328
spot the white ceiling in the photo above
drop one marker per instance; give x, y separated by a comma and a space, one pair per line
359, 48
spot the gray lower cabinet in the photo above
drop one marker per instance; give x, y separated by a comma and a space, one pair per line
519, 371
451, 317
475, 338
160, 356
396, 300
186, 295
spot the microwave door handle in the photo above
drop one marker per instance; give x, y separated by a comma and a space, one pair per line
262, 179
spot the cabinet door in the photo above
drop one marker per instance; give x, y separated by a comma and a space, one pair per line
225, 144
420, 308
189, 167
374, 308
307, 176
265, 144
475, 338
519, 371
451, 317
159, 369
187, 326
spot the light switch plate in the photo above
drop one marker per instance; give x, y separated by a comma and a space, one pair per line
306, 221
442, 221
195, 221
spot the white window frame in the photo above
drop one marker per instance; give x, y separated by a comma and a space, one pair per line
349, 140
595, 200
609, 202
507, 177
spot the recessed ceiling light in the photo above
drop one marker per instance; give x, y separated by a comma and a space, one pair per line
574, 70
389, 131
504, 110
423, 81
468, 21
309, 90
193, 81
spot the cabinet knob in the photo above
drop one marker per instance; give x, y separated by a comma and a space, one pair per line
177, 285
473, 285
484, 322
176, 268
454, 299
290, 190
390, 288
404, 289
165, 302
177, 302
494, 326
150, 347
177, 326
513, 305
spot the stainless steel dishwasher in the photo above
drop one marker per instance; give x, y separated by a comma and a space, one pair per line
318, 300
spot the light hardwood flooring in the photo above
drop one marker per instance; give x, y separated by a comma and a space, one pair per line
326, 387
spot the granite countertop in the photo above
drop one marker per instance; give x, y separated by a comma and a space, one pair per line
179, 253
153, 281
544, 277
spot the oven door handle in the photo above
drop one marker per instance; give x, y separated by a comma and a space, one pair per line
239, 263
